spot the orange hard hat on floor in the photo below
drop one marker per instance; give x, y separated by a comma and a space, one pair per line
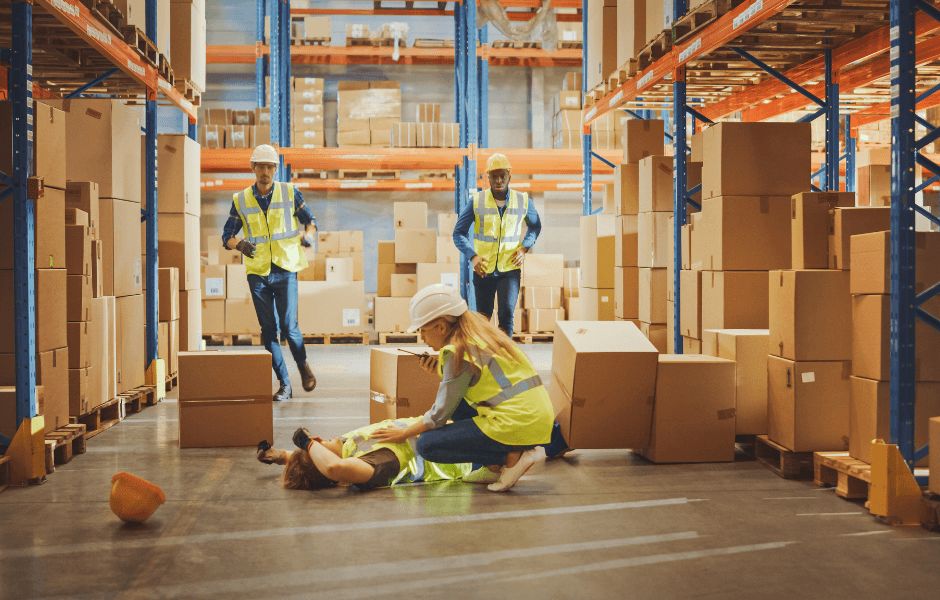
134, 499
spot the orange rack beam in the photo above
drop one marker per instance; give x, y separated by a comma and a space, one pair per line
420, 12
210, 184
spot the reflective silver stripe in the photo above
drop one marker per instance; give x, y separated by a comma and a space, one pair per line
488, 211
246, 210
511, 391
510, 239
498, 374
484, 238
286, 235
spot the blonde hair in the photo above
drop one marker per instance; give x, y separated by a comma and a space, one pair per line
301, 474
473, 329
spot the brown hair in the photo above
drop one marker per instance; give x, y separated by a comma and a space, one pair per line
473, 326
301, 474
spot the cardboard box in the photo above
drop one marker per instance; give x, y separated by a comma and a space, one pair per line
129, 332
631, 29
178, 158
190, 320
543, 320
571, 281
169, 289
188, 41
873, 185
540, 297
543, 270
808, 404
213, 281
100, 358
49, 142
213, 317
97, 269
686, 243
446, 222
654, 240
625, 241
415, 245
78, 250
83, 195
607, 373
652, 295
748, 349
240, 317
51, 309
391, 315
934, 439
742, 163
655, 333
431, 273
810, 315
220, 375
871, 257
121, 247
328, 307
656, 184
870, 415
693, 414
734, 300
627, 189
655, 18
598, 247
339, 269
78, 340
428, 112
871, 340
52, 373
447, 252
746, 233
569, 99
179, 247
642, 138
173, 333
228, 422
110, 310
601, 40
573, 310
49, 231
690, 316
847, 222
78, 391
809, 218
403, 285
78, 298
597, 304
398, 387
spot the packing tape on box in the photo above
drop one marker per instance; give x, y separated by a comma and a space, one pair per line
727, 413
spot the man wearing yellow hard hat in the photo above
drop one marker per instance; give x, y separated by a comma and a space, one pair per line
494, 219
276, 223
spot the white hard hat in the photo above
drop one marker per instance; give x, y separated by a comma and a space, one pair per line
434, 301
264, 153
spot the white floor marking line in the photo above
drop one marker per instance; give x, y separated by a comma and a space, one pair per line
165, 541
863, 533
793, 498
838, 514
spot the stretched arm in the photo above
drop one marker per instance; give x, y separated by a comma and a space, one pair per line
534, 224
232, 226
303, 212
340, 470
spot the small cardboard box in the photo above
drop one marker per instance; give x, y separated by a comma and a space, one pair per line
847, 222
213, 316
221, 375
734, 299
236, 421
656, 184
597, 251
810, 315
391, 315
403, 285
543, 270
642, 138
808, 404
748, 349
656, 333
539, 297
809, 219
690, 315
746, 233
169, 288
654, 240
83, 195
446, 222
597, 304
433, 273
607, 373
871, 340
871, 257
386, 252
328, 307
693, 414
627, 189
78, 391
129, 312
240, 317
179, 247
179, 190
100, 358
873, 185
415, 245
543, 320
572, 282
410, 215
78, 293
446, 251
78, 335
339, 270
398, 386
652, 297
77, 250
625, 241
213, 281
52, 372
121, 249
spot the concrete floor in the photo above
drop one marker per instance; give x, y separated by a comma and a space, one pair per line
599, 524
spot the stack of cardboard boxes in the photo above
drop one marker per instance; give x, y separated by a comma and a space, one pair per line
78, 310
168, 331
228, 128
367, 112
602, 28
873, 179
427, 131
187, 28
213, 295
337, 257
571, 293
543, 277
597, 267
306, 112
317, 28
240, 316
654, 251
566, 121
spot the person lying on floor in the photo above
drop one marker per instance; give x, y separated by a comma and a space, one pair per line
356, 459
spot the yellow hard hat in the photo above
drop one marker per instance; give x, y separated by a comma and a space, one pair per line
134, 499
497, 161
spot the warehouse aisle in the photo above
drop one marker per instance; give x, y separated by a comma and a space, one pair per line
598, 524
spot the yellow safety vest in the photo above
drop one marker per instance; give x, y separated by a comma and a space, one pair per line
495, 238
513, 407
275, 233
413, 467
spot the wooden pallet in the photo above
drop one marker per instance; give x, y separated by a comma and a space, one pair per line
62, 444
5, 462
850, 476
931, 519
400, 338
138, 399
234, 339
656, 49
516, 45
172, 381
138, 40
700, 16
328, 339
188, 90
166, 71
368, 174
373, 42
570, 45
437, 175
784, 462
432, 43
107, 13
321, 41
100, 419
534, 338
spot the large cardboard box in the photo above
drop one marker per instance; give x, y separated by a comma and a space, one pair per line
188, 41
631, 30
49, 231
810, 315
870, 415
49, 141
641, 138
432, 273
871, 340
391, 315
52, 372
541, 297
652, 297
328, 307
78, 294
543, 270
213, 316
543, 320
597, 304
741, 162
656, 184
415, 245
79, 340
83, 195
178, 159
129, 335
847, 222
340, 269
748, 349
601, 41
810, 218
226, 422
734, 300
690, 299
656, 333
597, 251
121, 247
190, 320
808, 404
693, 415
934, 439
78, 250
51, 310
220, 375
871, 259
78, 390
746, 233
607, 372
873, 185
100, 332
169, 288
625, 241
398, 386
654, 239
403, 285
627, 188
240, 317
179, 246
627, 293
103, 145
410, 215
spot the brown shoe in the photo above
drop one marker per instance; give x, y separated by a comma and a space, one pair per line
309, 379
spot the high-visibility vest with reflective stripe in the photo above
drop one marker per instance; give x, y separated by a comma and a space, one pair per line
495, 238
413, 468
513, 407
275, 233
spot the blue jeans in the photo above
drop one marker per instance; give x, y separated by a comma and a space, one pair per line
503, 287
462, 441
275, 299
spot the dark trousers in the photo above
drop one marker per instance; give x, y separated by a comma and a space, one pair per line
275, 299
501, 287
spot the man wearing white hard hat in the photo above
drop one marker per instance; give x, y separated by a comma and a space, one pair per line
277, 225
498, 247
502, 415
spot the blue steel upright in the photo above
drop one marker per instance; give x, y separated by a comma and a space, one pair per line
483, 83
586, 200
679, 187
831, 173
152, 306
849, 155
24, 217
259, 60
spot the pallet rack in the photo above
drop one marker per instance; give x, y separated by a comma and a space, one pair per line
755, 59
59, 48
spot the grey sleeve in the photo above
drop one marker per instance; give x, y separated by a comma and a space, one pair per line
452, 390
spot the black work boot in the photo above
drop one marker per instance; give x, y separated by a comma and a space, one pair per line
309, 379
283, 393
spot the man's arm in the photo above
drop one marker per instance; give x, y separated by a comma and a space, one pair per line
303, 212
232, 226
534, 224
461, 233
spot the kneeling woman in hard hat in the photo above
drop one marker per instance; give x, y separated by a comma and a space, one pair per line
501, 410
356, 459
